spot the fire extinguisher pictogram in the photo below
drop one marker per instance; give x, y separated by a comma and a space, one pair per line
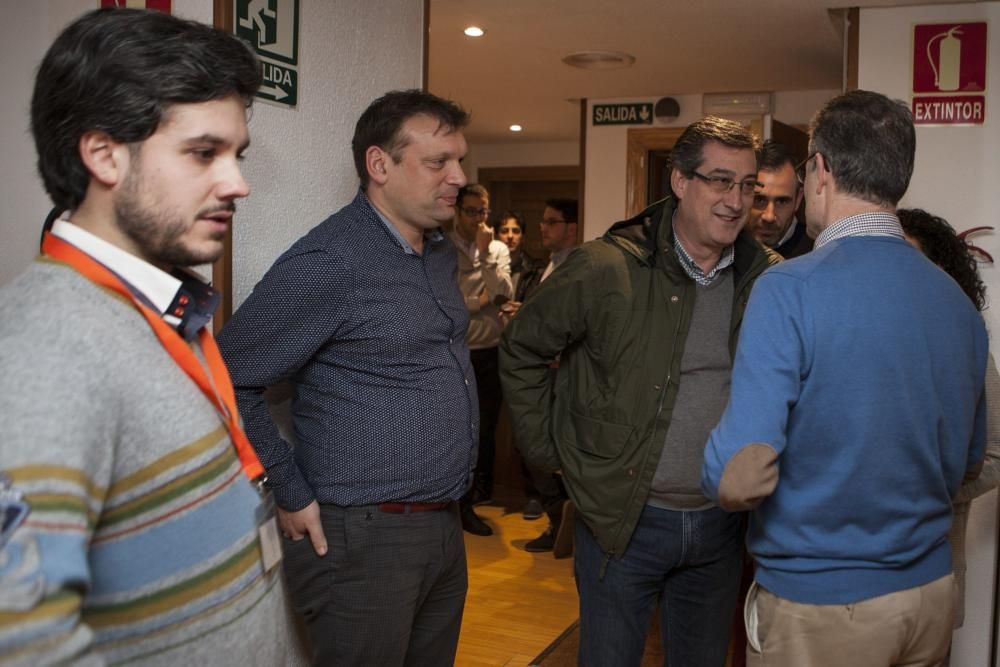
948, 68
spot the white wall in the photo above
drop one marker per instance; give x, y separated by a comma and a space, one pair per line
604, 195
956, 176
24, 37
299, 165
520, 154
798, 107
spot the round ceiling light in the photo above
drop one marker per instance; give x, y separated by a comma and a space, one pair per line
599, 60
516, 128
474, 31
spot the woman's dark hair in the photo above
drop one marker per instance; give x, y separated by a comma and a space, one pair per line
942, 246
507, 215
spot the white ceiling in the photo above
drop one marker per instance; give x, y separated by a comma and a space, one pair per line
515, 73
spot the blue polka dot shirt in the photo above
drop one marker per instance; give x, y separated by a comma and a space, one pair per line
371, 336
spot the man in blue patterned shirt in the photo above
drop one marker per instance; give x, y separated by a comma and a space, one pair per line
364, 318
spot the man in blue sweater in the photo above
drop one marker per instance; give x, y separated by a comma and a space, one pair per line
856, 409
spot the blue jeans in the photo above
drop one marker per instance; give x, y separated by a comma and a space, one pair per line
689, 562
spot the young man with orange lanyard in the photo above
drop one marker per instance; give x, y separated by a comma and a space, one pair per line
133, 528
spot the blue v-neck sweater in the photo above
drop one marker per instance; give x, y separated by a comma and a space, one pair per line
862, 365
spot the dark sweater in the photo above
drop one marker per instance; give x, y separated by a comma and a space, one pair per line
797, 244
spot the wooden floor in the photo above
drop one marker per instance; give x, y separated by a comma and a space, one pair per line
518, 602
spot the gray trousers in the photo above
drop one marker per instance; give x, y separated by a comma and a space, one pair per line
390, 590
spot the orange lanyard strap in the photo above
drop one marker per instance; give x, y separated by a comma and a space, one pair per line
218, 387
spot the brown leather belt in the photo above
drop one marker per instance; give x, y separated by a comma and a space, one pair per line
407, 508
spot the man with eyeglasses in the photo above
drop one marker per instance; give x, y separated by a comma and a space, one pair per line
775, 201
857, 406
485, 282
559, 231
645, 321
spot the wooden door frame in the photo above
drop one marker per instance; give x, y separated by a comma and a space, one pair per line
222, 268
852, 57
640, 142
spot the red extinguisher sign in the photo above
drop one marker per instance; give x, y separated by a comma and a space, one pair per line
949, 73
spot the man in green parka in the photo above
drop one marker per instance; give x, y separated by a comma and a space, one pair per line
645, 321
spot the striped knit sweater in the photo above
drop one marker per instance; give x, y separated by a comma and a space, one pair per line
140, 546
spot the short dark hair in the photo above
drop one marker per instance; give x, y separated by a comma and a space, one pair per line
568, 207
118, 71
688, 152
474, 189
868, 143
381, 123
942, 246
509, 215
773, 156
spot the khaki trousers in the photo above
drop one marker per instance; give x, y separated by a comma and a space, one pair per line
910, 628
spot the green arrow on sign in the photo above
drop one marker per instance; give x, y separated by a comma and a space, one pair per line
271, 27
281, 84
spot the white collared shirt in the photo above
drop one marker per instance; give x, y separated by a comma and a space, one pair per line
155, 284
788, 232
557, 258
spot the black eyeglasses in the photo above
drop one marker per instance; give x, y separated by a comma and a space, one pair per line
723, 184
476, 212
800, 169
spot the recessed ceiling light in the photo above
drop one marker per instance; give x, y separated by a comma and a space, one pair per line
516, 128
474, 31
599, 59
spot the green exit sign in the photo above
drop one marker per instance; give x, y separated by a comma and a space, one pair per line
271, 27
623, 114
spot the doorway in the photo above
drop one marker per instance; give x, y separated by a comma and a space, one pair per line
524, 190
647, 172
